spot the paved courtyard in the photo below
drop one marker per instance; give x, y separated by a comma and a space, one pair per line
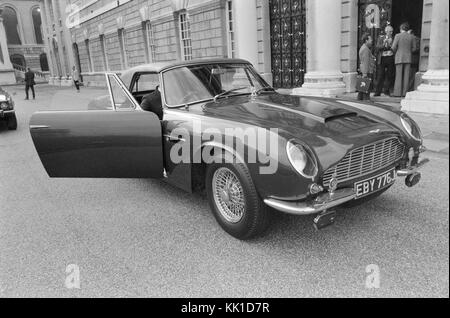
146, 238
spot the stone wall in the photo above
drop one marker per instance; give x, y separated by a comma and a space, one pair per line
208, 33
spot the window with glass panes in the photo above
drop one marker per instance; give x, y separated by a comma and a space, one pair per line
230, 30
150, 42
185, 37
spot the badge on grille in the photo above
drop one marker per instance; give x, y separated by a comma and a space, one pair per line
333, 184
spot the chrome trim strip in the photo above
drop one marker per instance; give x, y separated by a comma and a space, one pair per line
39, 127
11, 111
323, 202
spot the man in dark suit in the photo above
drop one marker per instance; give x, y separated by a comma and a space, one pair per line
404, 45
367, 63
29, 83
153, 103
415, 61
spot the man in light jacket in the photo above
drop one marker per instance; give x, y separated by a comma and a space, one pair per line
404, 45
386, 61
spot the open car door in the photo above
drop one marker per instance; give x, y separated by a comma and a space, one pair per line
124, 142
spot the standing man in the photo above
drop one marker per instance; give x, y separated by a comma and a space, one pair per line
404, 45
76, 78
367, 66
415, 61
386, 62
29, 83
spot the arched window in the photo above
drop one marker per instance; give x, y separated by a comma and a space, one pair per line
11, 23
44, 62
18, 59
37, 23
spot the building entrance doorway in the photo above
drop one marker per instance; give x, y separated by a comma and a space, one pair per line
288, 42
375, 15
410, 11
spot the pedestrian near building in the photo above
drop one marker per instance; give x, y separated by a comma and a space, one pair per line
76, 78
385, 62
404, 45
29, 83
367, 66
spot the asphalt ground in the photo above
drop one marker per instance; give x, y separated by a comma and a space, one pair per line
146, 238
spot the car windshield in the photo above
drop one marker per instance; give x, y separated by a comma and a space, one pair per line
191, 84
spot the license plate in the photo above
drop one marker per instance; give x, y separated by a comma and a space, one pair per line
374, 184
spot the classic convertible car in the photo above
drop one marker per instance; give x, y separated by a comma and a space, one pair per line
319, 154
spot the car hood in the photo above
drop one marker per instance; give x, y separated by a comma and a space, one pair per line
326, 125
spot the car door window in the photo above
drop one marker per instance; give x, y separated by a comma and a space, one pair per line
146, 82
120, 99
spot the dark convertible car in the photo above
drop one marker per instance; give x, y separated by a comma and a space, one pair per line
226, 131
7, 112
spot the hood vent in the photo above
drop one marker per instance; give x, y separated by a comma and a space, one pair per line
339, 116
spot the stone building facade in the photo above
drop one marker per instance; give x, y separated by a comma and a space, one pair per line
23, 37
309, 46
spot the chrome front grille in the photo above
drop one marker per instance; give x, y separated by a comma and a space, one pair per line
366, 160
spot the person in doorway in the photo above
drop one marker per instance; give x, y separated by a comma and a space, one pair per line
367, 66
76, 78
404, 45
29, 83
385, 61
415, 61
153, 103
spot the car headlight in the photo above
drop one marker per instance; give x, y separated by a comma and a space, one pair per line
411, 127
302, 159
4, 106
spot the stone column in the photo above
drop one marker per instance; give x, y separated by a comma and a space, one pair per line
64, 67
52, 56
7, 75
432, 95
45, 30
323, 42
67, 39
246, 30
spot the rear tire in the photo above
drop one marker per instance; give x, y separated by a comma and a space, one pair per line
235, 202
12, 123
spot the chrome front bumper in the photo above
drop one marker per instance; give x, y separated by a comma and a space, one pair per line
327, 201
323, 202
414, 169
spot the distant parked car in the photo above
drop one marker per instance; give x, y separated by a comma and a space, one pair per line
7, 112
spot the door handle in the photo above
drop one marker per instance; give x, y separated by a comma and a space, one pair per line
174, 139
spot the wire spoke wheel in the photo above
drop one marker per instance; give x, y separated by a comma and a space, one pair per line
228, 195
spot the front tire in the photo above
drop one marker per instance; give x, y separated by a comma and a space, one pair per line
235, 202
12, 123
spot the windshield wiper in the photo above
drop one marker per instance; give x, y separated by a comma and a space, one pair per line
265, 89
228, 92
